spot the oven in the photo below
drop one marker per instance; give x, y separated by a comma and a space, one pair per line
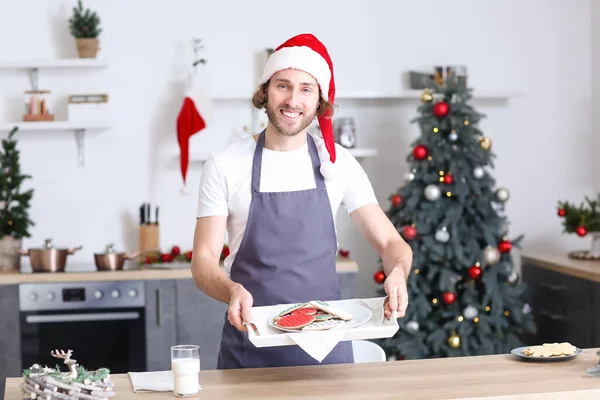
103, 323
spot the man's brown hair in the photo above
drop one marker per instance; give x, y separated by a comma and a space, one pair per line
259, 100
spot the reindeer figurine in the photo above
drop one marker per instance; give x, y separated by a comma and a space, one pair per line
71, 363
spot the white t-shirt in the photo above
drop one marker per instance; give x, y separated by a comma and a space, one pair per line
226, 179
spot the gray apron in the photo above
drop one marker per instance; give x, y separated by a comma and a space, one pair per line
287, 255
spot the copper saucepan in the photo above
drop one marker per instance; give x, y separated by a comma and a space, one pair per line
48, 258
111, 260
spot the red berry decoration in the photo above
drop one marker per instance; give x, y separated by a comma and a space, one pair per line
448, 179
449, 297
166, 258
379, 277
474, 272
148, 260
175, 251
420, 152
441, 109
504, 246
562, 212
396, 199
409, 232
581, 231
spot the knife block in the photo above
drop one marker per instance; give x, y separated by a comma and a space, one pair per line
149, 239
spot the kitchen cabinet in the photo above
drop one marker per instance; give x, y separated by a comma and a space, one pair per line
563, 306
160, 323
10, 359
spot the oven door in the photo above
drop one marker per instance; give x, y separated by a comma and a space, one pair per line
100, 338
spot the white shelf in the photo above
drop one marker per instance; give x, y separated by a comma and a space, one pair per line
54, 125
54, 63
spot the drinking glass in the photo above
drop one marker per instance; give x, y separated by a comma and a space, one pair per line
185, 364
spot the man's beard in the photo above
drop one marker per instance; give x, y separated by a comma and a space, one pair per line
279, 122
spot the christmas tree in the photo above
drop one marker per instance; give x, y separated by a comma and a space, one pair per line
14, 204
465, 297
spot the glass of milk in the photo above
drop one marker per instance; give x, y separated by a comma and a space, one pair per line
185, 365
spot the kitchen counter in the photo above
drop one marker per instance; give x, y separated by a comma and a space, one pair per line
146, 273
498, 377
563, 264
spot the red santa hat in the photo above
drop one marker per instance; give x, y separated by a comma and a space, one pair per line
306, 53
195, 115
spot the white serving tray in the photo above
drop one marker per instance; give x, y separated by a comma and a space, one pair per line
377, 327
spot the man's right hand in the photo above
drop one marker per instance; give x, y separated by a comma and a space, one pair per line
240, 305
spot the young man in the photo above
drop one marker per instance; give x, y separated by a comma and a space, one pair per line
277, 193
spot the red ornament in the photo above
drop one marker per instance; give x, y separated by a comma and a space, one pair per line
441, 109
409, 232
504, 246
148, 260
396, 199
562, 212
188, 255
474, 272
175, 251
379, 277
449, 297
166, 258
420, 152
448, 179
581, 231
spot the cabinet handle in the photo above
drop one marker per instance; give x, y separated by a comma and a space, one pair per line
554, 317
158, 308
553, 287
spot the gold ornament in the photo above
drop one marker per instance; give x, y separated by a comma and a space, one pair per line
426, 96
485, 143
454, 341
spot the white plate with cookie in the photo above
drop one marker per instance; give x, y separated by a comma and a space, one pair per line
547, 352
322, 317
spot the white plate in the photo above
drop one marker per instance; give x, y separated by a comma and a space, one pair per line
360, 314
519, 353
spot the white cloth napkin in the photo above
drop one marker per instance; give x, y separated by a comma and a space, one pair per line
319, 343
155, 381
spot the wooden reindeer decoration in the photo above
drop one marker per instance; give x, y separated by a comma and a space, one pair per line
70, 363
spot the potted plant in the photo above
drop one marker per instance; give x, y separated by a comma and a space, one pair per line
582, 219
85, 27
14, 205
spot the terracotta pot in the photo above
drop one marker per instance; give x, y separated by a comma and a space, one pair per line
87, 47
10, 258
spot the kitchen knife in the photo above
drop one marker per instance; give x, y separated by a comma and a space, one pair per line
148, 213
142, 215
156, 217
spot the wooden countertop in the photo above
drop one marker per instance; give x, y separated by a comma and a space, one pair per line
146, 273
563, 264
498, 377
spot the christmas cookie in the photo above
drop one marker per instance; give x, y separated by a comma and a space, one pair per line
291, 309
324, 325
294, 321
305, 310
322, 316
328, 308
550, 350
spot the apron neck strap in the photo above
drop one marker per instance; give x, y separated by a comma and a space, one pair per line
257, 162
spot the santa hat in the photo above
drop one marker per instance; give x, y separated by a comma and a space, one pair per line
306, 53
195, 115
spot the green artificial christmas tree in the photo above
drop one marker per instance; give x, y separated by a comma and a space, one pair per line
465, 297
14, 203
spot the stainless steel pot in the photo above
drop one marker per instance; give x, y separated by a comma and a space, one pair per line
112, 261
48, 258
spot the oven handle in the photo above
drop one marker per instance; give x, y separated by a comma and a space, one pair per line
115, 316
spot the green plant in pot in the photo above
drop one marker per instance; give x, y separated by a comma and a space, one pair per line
14, 205
85, 27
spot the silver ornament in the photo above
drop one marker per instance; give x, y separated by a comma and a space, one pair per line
513, 276
526, 308
409, 176
432, 192
470, 312
453, 136
478, 172
503, 194
491, 255
442, 235
413, 325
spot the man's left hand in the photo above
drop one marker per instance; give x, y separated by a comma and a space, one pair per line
395, 288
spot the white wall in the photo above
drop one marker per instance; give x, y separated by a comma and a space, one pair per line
543, 140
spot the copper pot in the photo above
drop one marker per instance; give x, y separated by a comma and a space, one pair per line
112, 261
48, 258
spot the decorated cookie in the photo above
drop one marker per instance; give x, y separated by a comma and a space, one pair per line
291, 309
305, 310
324, 325
294, 321
328, 308
322, 316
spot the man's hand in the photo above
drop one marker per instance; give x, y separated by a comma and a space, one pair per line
240, 304
395, 288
